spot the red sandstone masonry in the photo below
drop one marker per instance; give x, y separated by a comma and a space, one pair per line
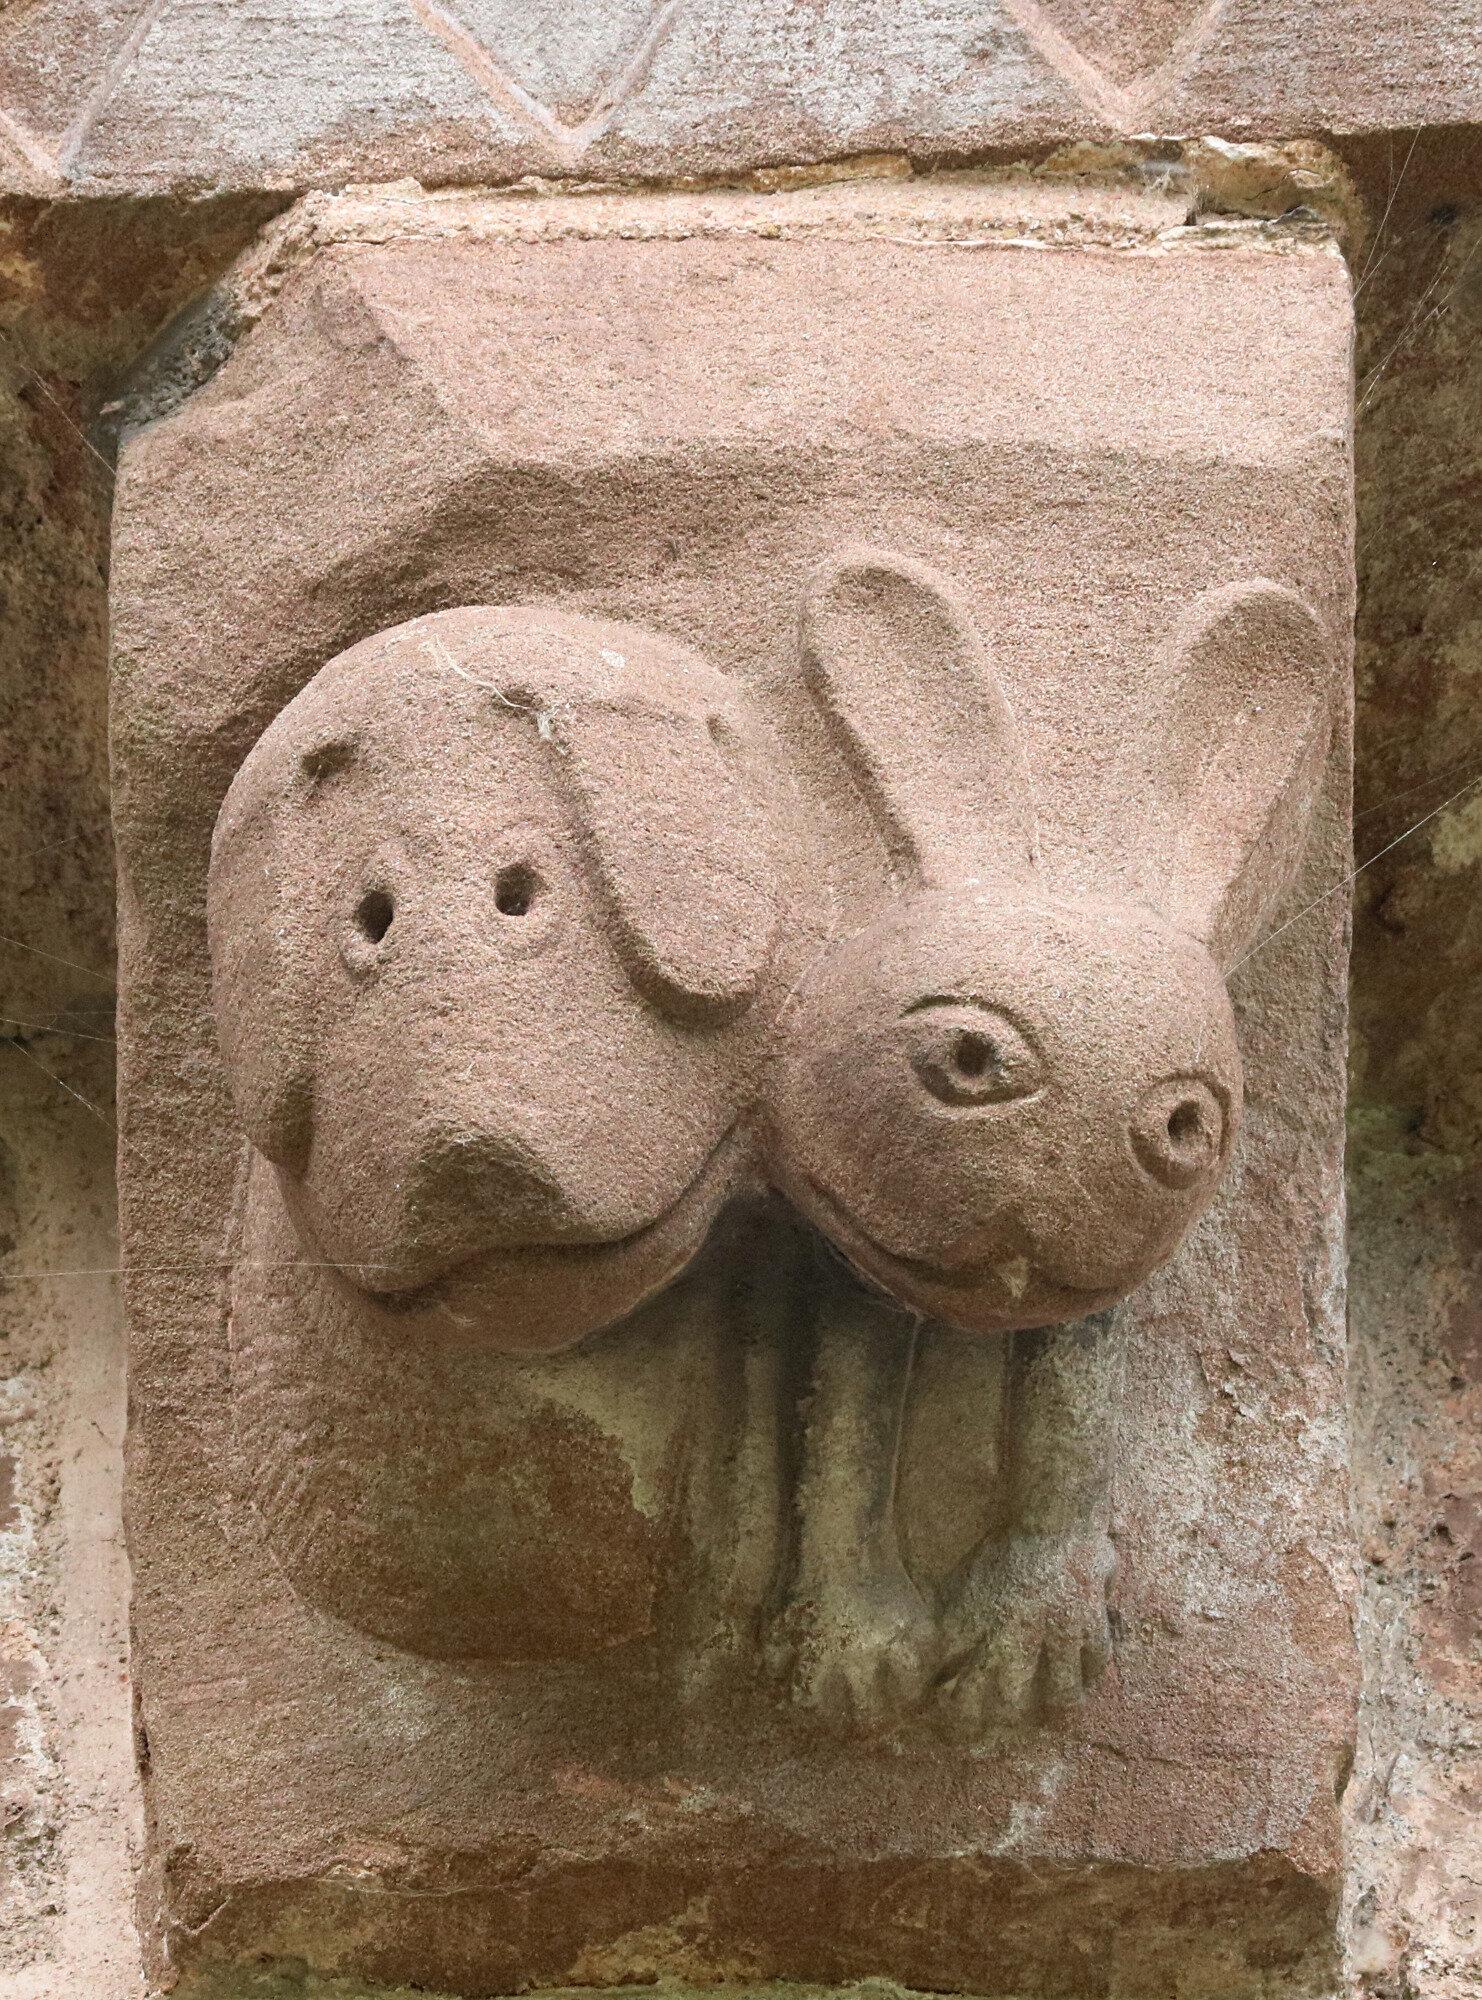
102, 98
683, 435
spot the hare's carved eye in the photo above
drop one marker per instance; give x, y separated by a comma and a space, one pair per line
968, 1053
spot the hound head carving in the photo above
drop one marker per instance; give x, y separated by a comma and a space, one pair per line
1008, 1098
489, 905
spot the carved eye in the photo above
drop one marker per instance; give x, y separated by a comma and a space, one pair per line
374, 915
969, 1053
1178, 1130
367, 930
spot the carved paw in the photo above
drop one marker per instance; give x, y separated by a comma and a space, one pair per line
1028, 1632
861, 1660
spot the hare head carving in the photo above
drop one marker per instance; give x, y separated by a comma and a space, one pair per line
1007, 1099
489, 903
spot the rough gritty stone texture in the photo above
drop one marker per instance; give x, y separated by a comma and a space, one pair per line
84, 292
67, 1803
1187, 1816
204, 94
1416, 1802
53, 758
81, 293
1419, 667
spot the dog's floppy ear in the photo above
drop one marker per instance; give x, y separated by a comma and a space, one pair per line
669, 798
256, 953
1240, 758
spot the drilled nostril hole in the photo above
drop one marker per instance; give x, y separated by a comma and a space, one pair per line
515, 889
375, 913
973, 1054
1178, 1131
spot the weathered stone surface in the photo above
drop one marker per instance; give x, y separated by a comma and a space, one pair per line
82, 291
1420, 915
85, 289
1415, 1888
84, 285
67, 1801
680, 433
205, 94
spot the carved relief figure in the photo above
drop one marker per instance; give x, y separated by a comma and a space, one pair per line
490, 904
514, 1000
1006, 1101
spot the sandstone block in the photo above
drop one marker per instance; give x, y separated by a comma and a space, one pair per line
733, 1033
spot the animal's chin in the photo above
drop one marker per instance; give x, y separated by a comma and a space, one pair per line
1003, 1296
543, 1296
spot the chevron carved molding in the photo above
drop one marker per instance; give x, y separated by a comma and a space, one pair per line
568, 136
1119, 60
139, 96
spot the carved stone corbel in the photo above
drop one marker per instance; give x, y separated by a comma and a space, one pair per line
724, 1038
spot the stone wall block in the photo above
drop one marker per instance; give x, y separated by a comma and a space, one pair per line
197, 95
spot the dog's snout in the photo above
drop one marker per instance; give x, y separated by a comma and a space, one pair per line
514, 1196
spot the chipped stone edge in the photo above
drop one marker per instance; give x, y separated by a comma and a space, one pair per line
1143, 195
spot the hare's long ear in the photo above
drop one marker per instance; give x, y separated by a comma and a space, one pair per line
1242, 757
902, 677
256, 950
673, 814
